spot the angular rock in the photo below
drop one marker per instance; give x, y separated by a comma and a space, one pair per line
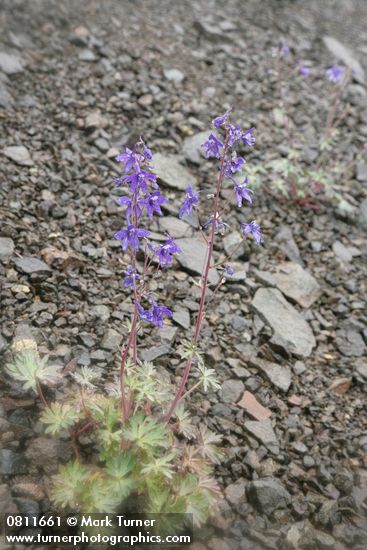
171, 172
154, 353
288, 245
19, 154
343, 53
12, 463
296, 283
7, 505
280, 376
192, 149
253, 407
263, 431
10, 64
362, 214
232, 391
5, 97
342, 252
173, 74
268, 495
87, 55
175, 227
234, 245
182, 317
362, 172
100, 312
192, 257
6, 248
290, 330
32, 266
236, 492
111, 340
46, 453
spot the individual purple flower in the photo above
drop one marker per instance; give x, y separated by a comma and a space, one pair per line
165, 252
128, 202
147, 153
335, 73
130, 158
284, 50
242, 192
131, 277
220, 120
254, 229
229, 270
234, 134
191, 199
155, 315
140, 181
220, 225
303, 70
130, 237
234, 165
153, 203
212, 146
247, 137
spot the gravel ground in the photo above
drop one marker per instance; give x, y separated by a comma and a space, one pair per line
78, 80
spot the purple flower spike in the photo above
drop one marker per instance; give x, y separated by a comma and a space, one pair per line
165, 251
130, 237
242, 192
335, 73
155, 315
191, 200
147, 153
131, 277
220, 120
234, 134
212, 146
153, 203
130, 159
140, 181
247, 137
254, 229
303, 70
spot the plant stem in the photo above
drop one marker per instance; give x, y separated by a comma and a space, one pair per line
41, 394
204, 284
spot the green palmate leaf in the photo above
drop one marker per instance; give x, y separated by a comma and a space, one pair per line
193, 462
208, 378
30, 370
198, 504
98, 496
69, 485
119, 470
105, 410
146, 432
58, 417
207, 445
86, 376
190, 349
161, 466
184, 425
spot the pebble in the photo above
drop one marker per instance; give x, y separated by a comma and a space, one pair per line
10, 64
19, 154
192, 257
264, 432
171, 172
6, 249
267, 495
232, 391
111, 340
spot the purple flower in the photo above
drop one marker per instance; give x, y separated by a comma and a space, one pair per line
248, 138
335, 73
212, 145
140, 181
127, 201
229, 270
191, 199
131, 277
165, 251
242, 192
130, 236
234, 165
220, 120
284, 50
130, 159
220, 225
234, 134
153, 203
303, 70
254, 229
147, 153
155, 314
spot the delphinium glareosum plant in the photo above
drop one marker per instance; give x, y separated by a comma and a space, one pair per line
146, 445
289, 176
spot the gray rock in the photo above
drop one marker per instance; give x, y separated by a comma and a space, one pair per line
290, 330
362, 214
192, 149
154, 353
263, 431
192, 257
236, 492
6, 248
171, 172
268, 495
175, 227
86, 55
182, 317
100, 312
288, 245
280, 376
173, 74
46, 453
102, 144
27, 506
342, 53
10, 64
361, 367
5, 97
12, 463
296, 283
362, 172
232, 391
3, 344
32, 266
210, 32
234, 245
111, 340
24, 338
7, 505
19, 154
342, 252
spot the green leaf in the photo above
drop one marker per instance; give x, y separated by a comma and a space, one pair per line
58, 417
160, 466
207, 445
146, 432
184, 425
86, 376
29, 369
69, 485
208, 378
119, 471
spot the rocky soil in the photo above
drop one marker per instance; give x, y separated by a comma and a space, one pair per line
287, 334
